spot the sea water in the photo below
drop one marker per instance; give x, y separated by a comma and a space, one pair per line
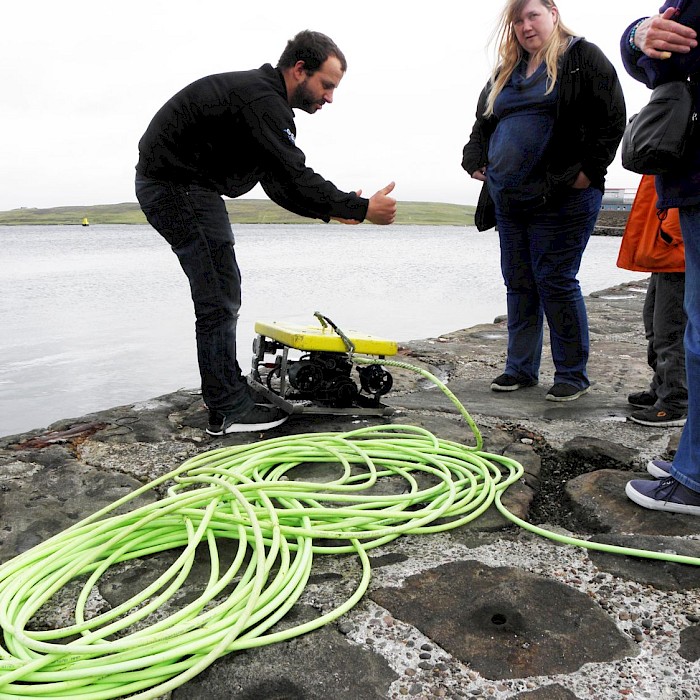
94, 317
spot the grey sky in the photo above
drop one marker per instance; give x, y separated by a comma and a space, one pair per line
81, 79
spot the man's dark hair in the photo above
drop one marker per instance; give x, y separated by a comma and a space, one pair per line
313, 48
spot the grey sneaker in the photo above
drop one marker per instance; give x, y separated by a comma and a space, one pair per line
507, 382
664, 494
257, 418
659, 468
565, 392
661, 417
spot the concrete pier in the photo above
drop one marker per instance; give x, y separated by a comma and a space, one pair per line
487, 610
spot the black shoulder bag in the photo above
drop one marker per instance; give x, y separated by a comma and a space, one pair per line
656, 138
485, 215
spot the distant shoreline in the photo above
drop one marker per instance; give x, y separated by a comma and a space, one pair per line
262, 211
241, 211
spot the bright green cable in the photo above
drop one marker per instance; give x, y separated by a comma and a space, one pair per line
598, 546
241, 493
431, 377
187, 554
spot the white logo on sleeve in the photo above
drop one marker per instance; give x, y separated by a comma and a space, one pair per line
290, 135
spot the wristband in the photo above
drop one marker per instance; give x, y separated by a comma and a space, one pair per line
633, 31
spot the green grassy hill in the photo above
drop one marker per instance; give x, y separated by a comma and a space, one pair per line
241, 211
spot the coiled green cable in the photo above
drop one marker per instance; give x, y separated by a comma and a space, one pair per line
153, 643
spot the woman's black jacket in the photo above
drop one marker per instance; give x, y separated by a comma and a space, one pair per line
589, 122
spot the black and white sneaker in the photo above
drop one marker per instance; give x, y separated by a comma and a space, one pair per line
256, 419
565, 392
507, 382
258, 397
661, 417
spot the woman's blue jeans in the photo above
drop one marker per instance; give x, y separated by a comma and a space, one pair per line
686, 463
540, 258
194, 221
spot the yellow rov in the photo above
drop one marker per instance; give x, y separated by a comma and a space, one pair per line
308, 369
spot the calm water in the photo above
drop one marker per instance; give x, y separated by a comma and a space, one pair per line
97, 317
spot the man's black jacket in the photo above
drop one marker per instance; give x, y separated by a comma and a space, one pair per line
230, 131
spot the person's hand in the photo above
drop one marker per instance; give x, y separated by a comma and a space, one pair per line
382, 209
660, 35
581, 182
349, 222
480, 174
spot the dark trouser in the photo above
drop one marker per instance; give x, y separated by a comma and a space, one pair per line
194, 221
540, 258
664, 324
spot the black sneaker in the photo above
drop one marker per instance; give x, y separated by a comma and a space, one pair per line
642, 399
258, 397
660, 417
565, 392
257, 418
507, 382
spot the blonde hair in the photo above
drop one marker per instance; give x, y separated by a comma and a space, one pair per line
510, 52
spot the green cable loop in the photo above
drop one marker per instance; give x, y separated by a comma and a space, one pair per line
149, 644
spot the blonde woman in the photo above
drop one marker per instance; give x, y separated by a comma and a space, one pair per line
548, 124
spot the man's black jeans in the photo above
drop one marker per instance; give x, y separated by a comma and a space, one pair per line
194, 221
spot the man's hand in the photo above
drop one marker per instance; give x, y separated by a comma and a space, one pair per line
581, 182
382, 209
480, 174
659, 36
